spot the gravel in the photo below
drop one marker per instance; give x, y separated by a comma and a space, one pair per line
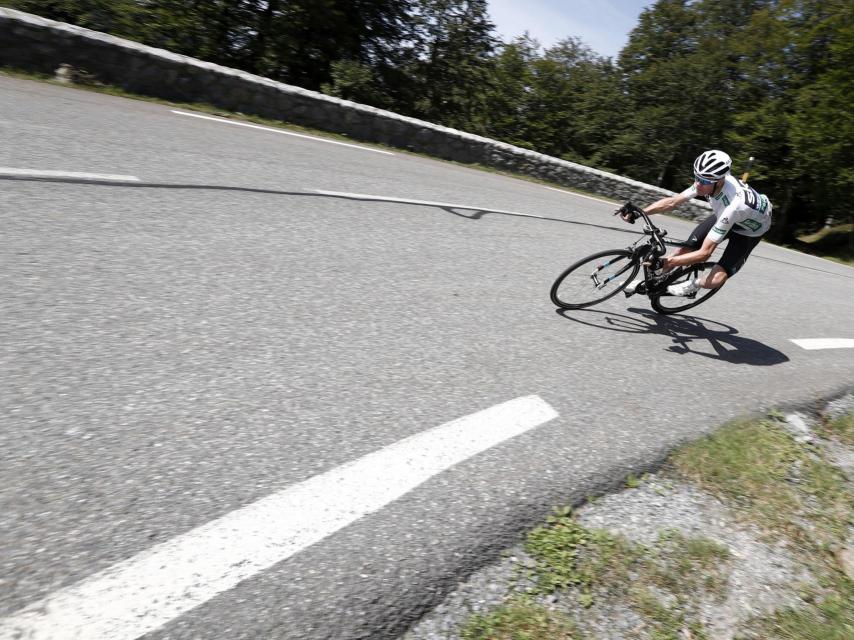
763, 576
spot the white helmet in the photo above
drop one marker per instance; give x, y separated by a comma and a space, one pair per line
712, 165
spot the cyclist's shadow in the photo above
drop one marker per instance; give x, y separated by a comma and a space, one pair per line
685, 332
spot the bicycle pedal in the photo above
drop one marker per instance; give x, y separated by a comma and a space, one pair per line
641, 288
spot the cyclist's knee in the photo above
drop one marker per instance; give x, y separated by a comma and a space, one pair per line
717, 277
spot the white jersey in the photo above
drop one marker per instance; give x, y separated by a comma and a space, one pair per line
737, 207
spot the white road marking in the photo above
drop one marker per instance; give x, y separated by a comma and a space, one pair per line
825, 343
37, 173
142, 593
572, 193
365, 196
282, 131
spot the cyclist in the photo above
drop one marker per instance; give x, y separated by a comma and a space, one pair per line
739, 213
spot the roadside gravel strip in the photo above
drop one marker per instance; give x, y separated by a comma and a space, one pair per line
764, 575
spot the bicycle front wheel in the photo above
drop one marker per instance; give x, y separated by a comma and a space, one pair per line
594, 279
663, 302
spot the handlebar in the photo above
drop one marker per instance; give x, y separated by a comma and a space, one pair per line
633, 212
649, 228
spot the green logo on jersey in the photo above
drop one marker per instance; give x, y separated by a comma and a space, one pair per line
753, 225
722, 196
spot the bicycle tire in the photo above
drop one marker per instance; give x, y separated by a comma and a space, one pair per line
661, 299
572, 297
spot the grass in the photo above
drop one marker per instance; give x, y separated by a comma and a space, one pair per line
830, 619
786, 489
669, 622
834, 243
795, 495
520, 619
652, 579
841, 429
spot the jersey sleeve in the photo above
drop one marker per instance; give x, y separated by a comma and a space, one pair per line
723, 224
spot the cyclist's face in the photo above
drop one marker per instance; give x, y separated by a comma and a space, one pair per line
704, 187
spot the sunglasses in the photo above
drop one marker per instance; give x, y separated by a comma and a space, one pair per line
704, 182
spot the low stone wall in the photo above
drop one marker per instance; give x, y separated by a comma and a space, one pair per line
36, 44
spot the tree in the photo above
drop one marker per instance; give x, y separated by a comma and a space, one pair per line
453, 67
100, 15
661, 79
507, 92
822, 124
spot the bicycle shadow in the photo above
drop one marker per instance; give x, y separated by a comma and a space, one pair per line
688, 334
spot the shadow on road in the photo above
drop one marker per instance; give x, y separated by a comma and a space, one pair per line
457, 210
687, 334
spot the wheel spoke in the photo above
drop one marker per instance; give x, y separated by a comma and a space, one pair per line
665, 302
579, 287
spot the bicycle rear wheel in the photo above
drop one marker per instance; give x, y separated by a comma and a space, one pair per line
594, 279
663, 302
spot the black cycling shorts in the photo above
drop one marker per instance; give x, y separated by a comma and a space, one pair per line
737, 250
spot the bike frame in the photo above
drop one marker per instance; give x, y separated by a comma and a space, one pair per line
647, 251
654, 248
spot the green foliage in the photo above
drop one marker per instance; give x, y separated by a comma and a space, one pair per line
354, 81
520, 619
841, 428
668, 622
454, 62
557, 548
780, 486
830, 619
570, 557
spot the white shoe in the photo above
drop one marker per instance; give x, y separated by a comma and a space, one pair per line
683, 288
632, 286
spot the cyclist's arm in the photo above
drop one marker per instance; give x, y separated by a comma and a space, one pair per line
666, 204
659, 206
700, 255
722, 226
671, 202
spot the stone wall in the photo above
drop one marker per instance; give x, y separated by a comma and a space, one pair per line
36, 44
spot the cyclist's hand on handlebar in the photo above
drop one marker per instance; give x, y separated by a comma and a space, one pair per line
628, 213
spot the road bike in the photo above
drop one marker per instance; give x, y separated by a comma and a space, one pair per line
603, 275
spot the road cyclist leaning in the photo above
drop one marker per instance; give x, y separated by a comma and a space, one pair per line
739, 213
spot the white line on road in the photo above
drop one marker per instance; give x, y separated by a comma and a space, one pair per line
448, 205
580, 195
825, 343
144, 592
38, 173
282, 131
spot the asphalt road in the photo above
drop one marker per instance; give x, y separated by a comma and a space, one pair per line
178, 348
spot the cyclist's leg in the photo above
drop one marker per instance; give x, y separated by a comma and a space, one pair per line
695, 240
717, 276
737, 251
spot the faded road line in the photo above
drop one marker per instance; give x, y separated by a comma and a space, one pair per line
9, 172
142, 593
825, 343
446, 205
282, 131
581, 195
